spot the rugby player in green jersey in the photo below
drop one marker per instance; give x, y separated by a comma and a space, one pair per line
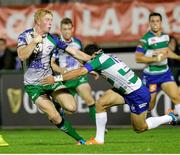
127, 88
62, 62
35, 47
153, 51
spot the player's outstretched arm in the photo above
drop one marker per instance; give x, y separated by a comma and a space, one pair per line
78, 54
173, 55
74, 73
63, 77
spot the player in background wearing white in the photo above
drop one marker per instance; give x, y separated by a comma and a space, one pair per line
127, 88
157, 74
62, 62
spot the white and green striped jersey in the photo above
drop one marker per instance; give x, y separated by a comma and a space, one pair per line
149, 43
116, 72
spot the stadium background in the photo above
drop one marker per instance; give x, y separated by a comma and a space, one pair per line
115, 25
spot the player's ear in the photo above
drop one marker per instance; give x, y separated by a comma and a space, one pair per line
72, 29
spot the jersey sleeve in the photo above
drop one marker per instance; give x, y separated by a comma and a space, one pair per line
142, 45
22, 39
93, 64
79, 43
60, 44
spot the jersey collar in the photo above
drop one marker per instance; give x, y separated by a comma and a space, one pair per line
62, 38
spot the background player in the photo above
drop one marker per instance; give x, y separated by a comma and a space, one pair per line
157, 74
62, 62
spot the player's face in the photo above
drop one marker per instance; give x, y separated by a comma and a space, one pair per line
67, 31
155, 23
46, 23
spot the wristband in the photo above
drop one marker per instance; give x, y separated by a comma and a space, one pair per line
58, 78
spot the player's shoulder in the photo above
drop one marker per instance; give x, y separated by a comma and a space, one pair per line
163, 33
26, 32
165, 36
77, 40
146, 36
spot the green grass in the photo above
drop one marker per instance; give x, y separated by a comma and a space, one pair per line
161, 140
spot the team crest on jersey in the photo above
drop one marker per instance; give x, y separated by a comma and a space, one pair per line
49, 48
152, 87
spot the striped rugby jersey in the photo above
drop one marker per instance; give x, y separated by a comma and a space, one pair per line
149, 43
118, 74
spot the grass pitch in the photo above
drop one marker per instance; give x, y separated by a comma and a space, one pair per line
161, 140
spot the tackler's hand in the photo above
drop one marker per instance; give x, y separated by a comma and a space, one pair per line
48, 80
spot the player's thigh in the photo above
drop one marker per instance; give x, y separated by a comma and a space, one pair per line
45, 105
85, 91
110, 98
65, 99
172, 90
139, 121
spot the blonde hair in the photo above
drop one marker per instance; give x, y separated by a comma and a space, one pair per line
40, 13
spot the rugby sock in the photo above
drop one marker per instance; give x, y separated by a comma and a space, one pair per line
177, 109
92, 112
101, 120
154, 122
66, 127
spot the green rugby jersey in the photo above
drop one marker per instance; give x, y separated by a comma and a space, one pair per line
149, 44
116, 72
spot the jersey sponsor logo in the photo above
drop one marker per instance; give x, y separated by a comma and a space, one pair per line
82, 79
15, 99
50, 48
152, 87
156, 40
142, 105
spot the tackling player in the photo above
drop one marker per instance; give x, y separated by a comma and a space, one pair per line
128, 88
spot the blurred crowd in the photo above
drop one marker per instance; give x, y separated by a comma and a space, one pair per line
8, 58
29, 2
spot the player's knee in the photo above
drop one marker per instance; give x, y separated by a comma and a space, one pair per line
89, 101
71, 109
139, 129
55, 117
100, 105
175, 99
